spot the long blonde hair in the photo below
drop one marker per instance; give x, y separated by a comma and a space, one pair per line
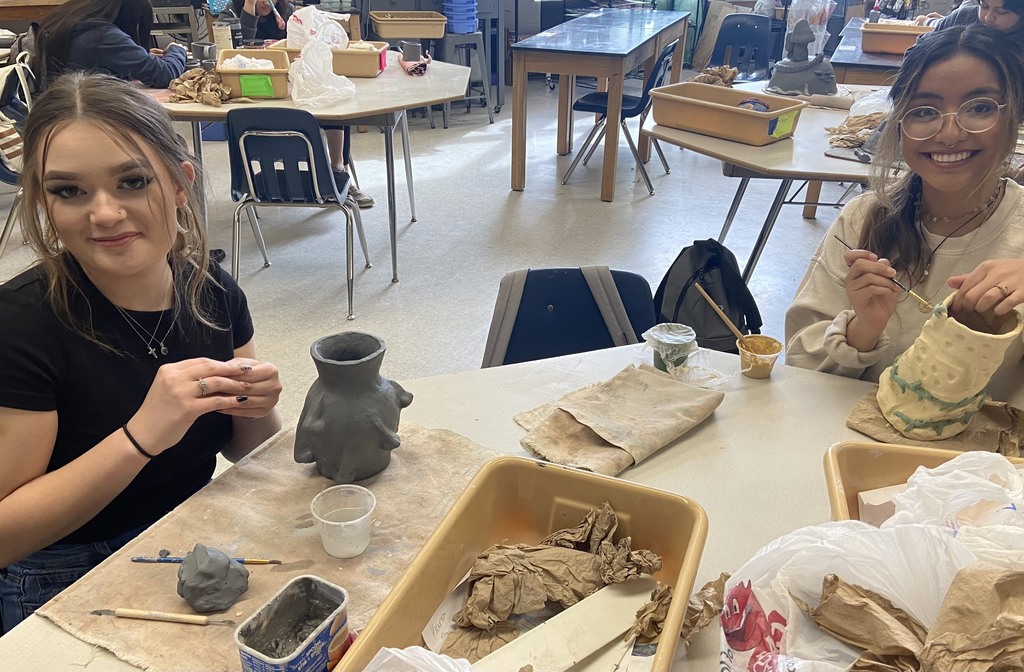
891, 223
127, 115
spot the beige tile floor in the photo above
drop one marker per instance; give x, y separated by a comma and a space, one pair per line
471, 230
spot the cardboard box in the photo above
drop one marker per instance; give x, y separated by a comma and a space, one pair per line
520, 500
272, 83
890, 38
853, 467
714, 110
348, 62
351, 26
408, 25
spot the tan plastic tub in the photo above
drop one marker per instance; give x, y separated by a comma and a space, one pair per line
890, 38
271, 83
519, 500
348, 62
853, 467
714, 110
391, 25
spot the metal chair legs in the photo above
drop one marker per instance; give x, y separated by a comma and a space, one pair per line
636, 155
594, 139
599, 126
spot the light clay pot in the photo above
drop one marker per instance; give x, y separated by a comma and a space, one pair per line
349, 423
932, 390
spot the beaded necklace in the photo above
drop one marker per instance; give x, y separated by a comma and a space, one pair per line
972, 215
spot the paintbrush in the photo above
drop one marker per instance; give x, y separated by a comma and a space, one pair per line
925, 305
192, 619
175, 559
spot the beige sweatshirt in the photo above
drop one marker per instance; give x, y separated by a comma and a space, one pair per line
816, 320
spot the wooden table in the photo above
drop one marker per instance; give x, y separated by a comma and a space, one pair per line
801, 157
608, 44
27, 10
379, 101
854, 66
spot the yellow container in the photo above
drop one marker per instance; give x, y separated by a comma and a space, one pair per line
890, 38
272, 83
715, 111
391, 25
853, 467
348, 62
519, 500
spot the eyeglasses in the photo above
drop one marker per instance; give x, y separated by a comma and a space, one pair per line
975, 116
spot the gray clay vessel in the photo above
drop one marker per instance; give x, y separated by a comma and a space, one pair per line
349, 423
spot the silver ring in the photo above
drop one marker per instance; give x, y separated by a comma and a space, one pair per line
202, 387
1005, 290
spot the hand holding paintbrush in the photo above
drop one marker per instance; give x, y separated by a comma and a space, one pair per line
925, 306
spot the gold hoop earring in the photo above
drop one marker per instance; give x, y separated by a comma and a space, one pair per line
189, 218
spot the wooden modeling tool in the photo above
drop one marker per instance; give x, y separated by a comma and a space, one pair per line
192, 619
925, 306
725, 318
176, 559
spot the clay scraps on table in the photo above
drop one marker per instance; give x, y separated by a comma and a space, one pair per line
704, 607
720, 75
199, 86
855, 130
977, 628
514, 582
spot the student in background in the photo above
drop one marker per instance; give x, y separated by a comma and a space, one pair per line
1002, 15
127, 359
951, 221
107, 36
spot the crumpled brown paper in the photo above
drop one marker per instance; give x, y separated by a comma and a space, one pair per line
980, 625
855, 129
609, 426
199, 86
650, 618
998, 427
704, 606
473, 643
720, 75
599, 525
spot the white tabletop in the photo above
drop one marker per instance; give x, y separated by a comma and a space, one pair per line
755, 465
391, 91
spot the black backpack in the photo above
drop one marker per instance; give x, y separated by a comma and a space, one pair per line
714, 267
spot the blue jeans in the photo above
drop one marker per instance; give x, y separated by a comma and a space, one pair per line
29, 584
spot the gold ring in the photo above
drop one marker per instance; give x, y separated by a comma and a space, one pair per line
1005, 290
202, 387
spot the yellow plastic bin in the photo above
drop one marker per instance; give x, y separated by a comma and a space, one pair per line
853, 467
715, 111
272, 83
349, 62
520, 500
890, 38
424, 25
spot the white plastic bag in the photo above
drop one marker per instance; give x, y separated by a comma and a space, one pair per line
415, 659
876, 101
762, 628
311, 78
310, 24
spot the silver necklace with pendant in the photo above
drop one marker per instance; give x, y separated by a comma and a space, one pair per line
142, 332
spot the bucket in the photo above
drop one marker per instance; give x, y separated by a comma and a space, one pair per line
302, 628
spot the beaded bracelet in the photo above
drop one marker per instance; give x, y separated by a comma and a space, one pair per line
134, 442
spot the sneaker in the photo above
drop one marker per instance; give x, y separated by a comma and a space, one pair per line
364, 201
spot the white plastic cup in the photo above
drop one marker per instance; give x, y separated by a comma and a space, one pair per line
343, 515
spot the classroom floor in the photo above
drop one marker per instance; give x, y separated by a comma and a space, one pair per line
471, 230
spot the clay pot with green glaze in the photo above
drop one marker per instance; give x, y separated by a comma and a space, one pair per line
349, 423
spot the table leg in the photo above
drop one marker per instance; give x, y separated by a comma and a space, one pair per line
566, 87
611, 135
519, 76
813, 196
197, 151
407, 151
389, 161
766, 229
740, 190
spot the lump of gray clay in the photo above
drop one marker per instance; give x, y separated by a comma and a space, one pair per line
210, 580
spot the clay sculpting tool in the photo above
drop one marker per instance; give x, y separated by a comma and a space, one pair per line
926, 307
177, 559
146, 615
725, 318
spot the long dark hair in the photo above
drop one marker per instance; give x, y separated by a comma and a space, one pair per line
890, 228
134, 17
129, 117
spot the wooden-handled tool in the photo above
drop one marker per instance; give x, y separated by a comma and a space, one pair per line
193, 619
725, 318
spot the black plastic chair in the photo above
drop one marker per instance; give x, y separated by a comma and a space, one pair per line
279, 158
632, 106
558, 314
744, 43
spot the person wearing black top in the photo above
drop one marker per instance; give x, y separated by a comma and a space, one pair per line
127, 360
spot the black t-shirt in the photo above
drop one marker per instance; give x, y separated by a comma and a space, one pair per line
45, 366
